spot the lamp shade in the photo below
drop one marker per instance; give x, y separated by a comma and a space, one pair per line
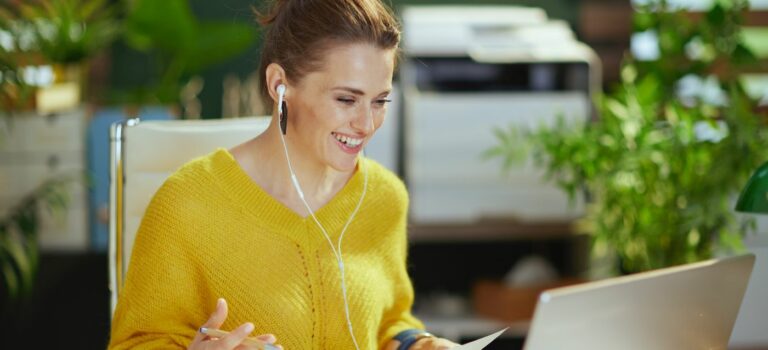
754, 197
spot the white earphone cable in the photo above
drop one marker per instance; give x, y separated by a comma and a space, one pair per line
336, 250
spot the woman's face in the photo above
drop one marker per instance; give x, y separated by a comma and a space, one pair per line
334, 112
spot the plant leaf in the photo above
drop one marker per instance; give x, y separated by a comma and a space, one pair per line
217, 41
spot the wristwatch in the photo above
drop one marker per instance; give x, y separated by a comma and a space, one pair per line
410, 336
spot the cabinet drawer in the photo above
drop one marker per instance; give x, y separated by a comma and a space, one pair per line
66, 233
21, 175
65, 230
30, 133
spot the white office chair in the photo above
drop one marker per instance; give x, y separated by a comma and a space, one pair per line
143, 155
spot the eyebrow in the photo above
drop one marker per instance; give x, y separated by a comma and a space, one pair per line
357, 91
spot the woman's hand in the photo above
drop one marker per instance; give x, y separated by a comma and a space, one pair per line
432, 343
233, 340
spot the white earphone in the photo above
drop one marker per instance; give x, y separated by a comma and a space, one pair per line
336, 249
280, 96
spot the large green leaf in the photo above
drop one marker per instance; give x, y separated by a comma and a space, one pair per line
218, 41
19, 257
18, 266
166, 25
10, 279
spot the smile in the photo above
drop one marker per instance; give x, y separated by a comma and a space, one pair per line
348, 141
348, 144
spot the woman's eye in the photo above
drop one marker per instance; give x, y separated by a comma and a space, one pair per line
348, 101
382, 101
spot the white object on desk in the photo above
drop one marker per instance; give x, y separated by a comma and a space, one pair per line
480, 343
457, 328
691, 306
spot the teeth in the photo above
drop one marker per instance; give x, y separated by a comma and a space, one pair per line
351, 142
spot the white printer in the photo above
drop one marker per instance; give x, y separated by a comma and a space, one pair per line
466, 71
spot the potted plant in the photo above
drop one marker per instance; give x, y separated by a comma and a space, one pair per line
673, 145
62, 33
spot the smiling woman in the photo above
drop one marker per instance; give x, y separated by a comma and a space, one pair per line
263, 224
334, 111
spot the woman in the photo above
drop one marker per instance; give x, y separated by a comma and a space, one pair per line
262, 225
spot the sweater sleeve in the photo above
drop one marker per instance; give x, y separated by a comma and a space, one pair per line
399, 317
159, 307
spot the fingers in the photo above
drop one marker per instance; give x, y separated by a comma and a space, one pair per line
267, 338
216, 319
234, 338
218, 316
434, 344
444, 344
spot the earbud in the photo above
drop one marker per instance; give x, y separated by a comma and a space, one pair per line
282, 112
280, 95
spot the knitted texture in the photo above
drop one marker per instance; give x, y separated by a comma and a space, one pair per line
211, 232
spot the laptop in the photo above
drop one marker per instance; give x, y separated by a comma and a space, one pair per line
691, 306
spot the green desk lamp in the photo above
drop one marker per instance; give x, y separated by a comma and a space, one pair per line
754, 198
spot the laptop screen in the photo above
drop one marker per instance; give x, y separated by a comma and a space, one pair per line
691, 306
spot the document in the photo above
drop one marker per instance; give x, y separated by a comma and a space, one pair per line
480, 343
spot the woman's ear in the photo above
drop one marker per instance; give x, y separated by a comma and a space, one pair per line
275, 76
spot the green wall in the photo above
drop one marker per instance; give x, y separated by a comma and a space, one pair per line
130, 69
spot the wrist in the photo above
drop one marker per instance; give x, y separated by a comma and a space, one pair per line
410, 337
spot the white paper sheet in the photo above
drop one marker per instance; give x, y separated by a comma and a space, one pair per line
480, 343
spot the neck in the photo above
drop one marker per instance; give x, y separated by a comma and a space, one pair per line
318, 181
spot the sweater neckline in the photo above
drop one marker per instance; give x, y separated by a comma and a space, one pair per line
333, 215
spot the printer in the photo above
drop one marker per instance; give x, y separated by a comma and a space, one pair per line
467, 70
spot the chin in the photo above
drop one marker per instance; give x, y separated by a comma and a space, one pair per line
343, 163
345, 166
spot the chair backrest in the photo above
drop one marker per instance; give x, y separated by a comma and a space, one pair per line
143, 155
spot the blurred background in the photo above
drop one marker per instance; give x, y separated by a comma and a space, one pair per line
544, 143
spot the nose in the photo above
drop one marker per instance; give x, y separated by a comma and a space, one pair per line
363, 121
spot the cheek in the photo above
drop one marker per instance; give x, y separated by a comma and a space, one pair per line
323, 119
378, 119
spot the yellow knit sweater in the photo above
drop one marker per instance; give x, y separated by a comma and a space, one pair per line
211, 232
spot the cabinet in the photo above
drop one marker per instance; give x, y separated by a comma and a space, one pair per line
35, 148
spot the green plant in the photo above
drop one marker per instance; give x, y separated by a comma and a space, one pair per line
180, 44
14, 92
18, 238
660, 166
66, 31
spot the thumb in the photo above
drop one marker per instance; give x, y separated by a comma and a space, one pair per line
218, 316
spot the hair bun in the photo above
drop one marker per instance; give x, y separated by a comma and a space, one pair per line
274, 8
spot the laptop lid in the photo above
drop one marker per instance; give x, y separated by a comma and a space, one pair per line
692, 306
